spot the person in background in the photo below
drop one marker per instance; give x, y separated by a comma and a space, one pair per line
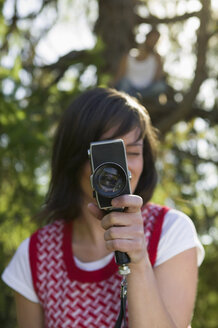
65, 275
140, 72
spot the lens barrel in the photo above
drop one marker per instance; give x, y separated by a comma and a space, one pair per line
109, 179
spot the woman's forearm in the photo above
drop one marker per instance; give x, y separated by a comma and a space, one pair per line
145, 306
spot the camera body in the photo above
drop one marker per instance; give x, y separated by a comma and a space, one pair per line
110, 176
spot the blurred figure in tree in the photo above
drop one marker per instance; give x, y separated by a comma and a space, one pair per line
141, 72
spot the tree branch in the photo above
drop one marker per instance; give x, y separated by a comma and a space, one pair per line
65, 60
211, 116
194, 157
153, 20
185, 107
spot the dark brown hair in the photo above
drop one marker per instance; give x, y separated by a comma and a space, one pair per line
93, 113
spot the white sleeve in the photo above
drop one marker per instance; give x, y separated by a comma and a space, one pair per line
178, 234
17, 274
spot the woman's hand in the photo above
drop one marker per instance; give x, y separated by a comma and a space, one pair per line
124, 231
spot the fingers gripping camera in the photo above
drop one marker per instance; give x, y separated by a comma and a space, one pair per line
110, 175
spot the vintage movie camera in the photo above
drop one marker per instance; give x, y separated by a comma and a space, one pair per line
110, 175
110, 178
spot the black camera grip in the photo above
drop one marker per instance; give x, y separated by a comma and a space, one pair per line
120, 257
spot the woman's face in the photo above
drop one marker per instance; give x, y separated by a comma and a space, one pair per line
134, 152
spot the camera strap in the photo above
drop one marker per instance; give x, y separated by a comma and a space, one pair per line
122, 259
123, 296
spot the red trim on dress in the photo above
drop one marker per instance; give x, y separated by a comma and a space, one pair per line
33, 258
78, 274
155, 237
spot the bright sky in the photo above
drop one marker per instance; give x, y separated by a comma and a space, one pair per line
71, 32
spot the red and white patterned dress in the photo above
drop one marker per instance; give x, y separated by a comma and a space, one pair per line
70, 296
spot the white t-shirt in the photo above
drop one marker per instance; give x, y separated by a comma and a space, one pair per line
178, 234
141, 73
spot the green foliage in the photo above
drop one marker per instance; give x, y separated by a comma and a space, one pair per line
207, 300
7, 308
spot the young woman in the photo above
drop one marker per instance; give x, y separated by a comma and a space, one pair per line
140, 72
65, 274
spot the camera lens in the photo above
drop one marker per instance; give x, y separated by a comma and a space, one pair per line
109, 180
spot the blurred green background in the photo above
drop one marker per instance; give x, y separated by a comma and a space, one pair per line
50, 51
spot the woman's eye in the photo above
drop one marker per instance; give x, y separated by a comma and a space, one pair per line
133, 153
